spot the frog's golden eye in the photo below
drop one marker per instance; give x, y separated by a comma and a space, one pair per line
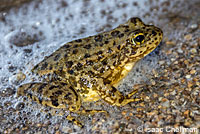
138, 39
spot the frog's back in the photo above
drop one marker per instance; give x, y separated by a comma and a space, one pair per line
86, 51
96, 54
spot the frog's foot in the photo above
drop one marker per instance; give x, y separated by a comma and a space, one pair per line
92, 112
58, 112
74, 120
80, 112
127, 99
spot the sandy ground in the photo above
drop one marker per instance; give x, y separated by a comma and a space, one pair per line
169, 77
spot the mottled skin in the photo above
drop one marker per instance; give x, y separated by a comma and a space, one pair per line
91, 68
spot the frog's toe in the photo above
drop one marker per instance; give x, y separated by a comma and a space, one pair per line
74, 121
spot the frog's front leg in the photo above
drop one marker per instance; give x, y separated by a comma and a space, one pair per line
111, 95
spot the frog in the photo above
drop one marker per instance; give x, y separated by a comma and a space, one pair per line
91, 69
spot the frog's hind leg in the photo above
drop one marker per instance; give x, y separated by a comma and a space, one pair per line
57, 96
31, 90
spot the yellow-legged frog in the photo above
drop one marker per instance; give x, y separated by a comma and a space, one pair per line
91, 68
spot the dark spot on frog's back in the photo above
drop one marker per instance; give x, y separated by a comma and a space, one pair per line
40, 89
99, 52
114, 56
50, 67
90, 62
79, 66
57, 93
115, 33
135, 20
52, 87
78, 40
87, 55
126, 29
121, 35
66, 46
72, 89
88, 46
31, 85
104, 62
68, 96
114, 43
114, 63
106, 81
55, 102
133, 52
102, 70
66, 55
154, 33
98, 38
57, 57
101, 45
109, 50
118, 47
75, 46
70, 71
69, 64
44, 66
106, 42
113, 89
75, 51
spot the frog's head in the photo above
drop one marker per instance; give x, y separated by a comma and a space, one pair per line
142, 39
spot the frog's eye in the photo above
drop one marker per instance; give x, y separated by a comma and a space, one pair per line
138, 39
